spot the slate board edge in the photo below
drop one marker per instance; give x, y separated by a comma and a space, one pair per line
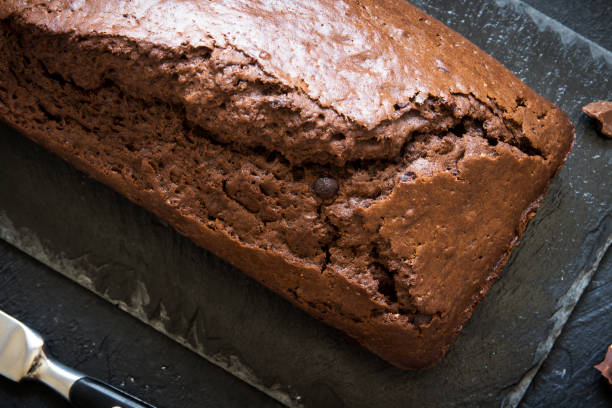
565, 306
28, 242
545, 22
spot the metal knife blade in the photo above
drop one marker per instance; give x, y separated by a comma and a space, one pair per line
20, 348
22, 356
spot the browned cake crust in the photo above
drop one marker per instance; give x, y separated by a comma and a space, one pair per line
359, 158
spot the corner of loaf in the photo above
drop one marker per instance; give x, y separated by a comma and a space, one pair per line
351, 162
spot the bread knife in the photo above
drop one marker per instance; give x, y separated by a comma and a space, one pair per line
22, 356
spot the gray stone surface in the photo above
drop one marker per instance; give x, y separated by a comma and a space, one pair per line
85, 332
118, 250
590, 18
567, 378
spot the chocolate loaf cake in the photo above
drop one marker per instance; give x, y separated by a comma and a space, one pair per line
359, 158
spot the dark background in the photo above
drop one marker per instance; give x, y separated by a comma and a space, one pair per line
95, 337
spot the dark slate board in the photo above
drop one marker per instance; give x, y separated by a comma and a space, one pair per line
591, 18
86, 332
97, 238
567, 378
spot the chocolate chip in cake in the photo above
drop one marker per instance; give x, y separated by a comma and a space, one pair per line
325, 188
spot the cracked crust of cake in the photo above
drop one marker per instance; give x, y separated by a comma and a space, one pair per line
425, 206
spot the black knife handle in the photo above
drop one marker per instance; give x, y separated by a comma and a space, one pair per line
88, 392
